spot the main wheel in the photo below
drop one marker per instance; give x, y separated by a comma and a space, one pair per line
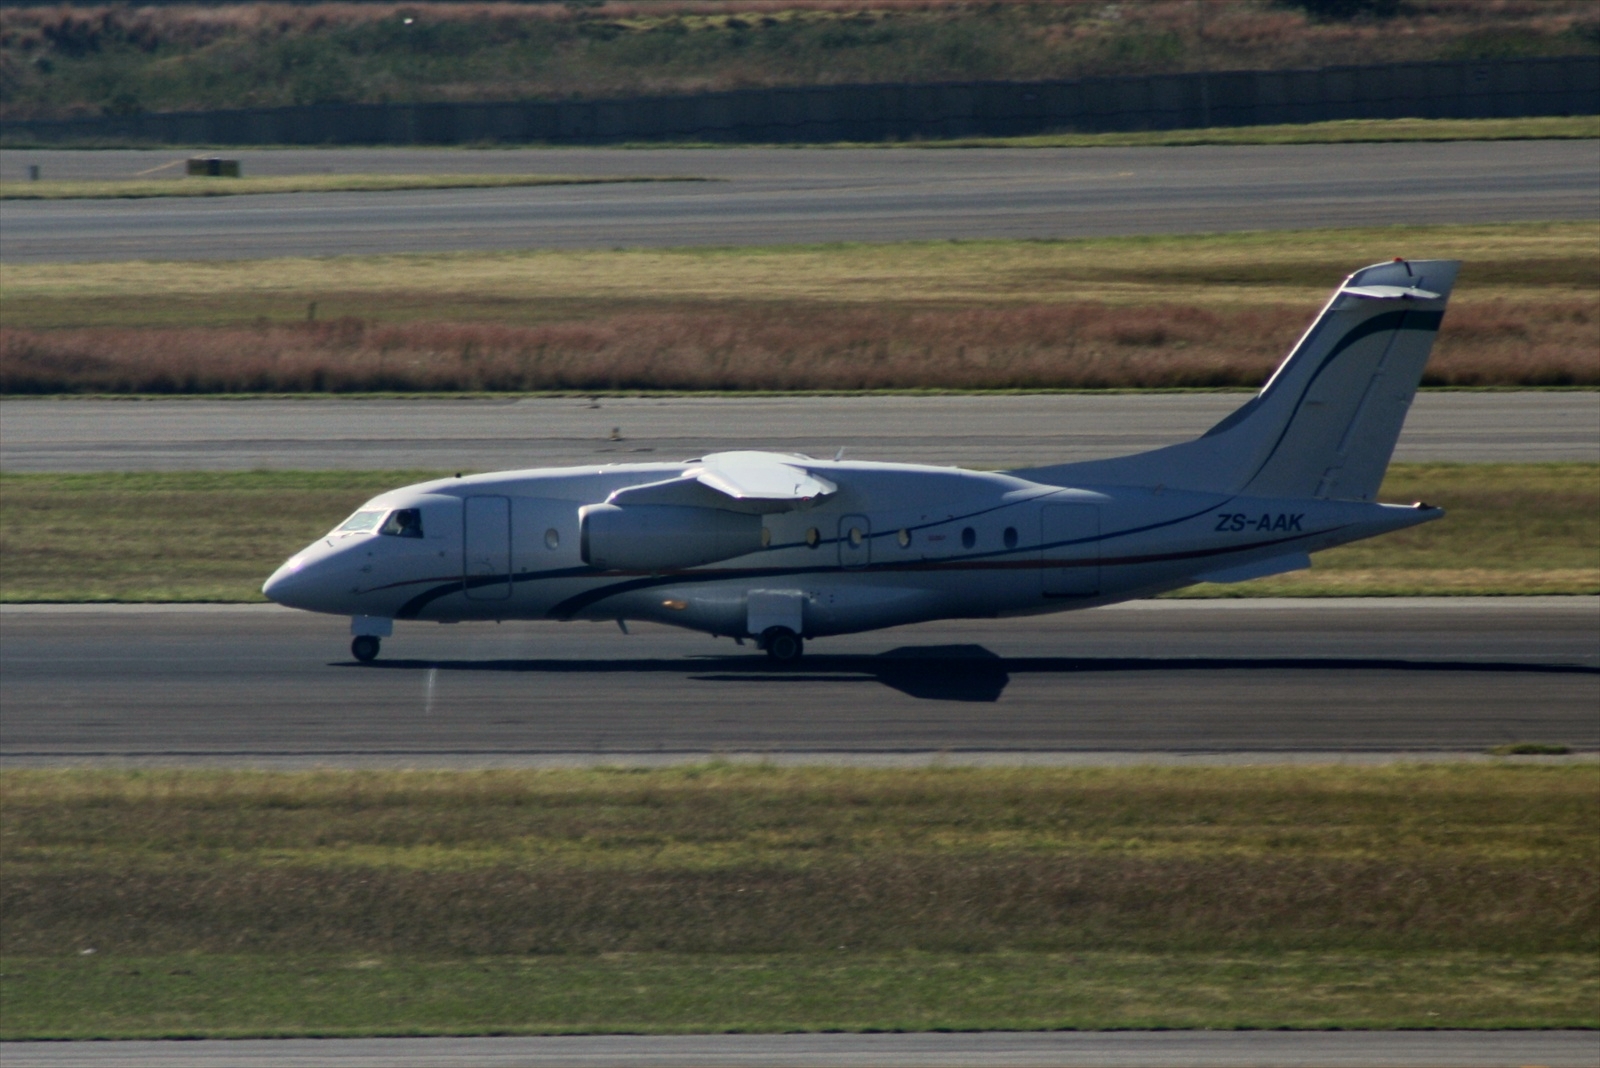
364, 648
782, 645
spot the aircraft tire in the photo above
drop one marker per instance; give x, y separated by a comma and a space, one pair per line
783, 645
364, 648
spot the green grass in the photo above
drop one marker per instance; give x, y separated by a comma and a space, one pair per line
217, 996
133, 189
1531, 749
720, 897
167, 537
1510, 529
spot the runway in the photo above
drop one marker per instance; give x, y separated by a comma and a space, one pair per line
1125, 1049
780, 196
1262, 679
986, 431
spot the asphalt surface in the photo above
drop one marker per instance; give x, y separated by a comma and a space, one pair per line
778, 196
1268, 678
1126, 1049
974, 431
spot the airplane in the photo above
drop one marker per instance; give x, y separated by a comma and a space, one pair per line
783, 548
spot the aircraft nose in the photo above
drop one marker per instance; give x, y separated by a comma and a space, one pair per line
316, 579
280, 583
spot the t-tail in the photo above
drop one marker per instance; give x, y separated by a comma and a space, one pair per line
1326, 422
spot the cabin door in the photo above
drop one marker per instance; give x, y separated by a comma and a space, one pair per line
486, 547
1070, 549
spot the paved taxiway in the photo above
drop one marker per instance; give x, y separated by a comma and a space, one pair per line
780, 195
263, 685
976, 431
1127, 1049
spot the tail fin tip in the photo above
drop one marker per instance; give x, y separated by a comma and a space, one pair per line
1326, 421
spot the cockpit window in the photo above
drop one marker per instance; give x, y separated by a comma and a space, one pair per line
403, 523
361, 522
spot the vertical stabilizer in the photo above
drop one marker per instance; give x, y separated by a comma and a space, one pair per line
1326, 422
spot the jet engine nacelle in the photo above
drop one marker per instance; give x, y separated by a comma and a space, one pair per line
663, 537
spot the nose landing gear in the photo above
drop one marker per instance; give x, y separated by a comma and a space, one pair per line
364, 647
783, 645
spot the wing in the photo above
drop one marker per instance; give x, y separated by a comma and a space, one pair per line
756, 482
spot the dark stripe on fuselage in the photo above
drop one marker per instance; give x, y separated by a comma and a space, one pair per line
572, 605
411, 608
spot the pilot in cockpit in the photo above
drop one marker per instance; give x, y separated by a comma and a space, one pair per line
403, 523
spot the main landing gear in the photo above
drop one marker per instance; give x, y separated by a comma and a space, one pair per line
364, 647
783, 645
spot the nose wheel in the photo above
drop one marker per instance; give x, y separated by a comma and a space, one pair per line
783, 645
364, 648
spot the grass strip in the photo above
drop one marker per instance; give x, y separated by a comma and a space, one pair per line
1338, 132
1332, 132
754, 348
219, 996
751, 897
200, 536
1521, 260
193, 536
1160, 312
1508, 528
136, 189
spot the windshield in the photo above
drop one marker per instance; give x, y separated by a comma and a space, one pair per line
403, 523
361, 522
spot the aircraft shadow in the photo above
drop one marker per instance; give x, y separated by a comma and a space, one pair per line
955, 672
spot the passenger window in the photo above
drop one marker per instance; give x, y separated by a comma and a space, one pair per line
1011, 537
904, 538
813, 537
552, 538
360, 523
403, 523
969, 538
856, 537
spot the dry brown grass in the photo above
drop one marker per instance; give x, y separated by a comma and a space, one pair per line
1087, 346
1194, 310
1527, 263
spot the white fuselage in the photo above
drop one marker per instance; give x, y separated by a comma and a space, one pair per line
897, 543
784, 548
